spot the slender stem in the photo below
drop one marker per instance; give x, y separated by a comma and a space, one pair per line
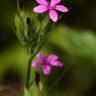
28, 73
27, 83
31, 56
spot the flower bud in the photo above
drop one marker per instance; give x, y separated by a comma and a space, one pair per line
21, 4
37, 78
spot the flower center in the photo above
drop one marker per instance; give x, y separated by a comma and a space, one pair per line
46, 63
51, 7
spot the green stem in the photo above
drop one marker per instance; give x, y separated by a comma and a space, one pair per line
27, 83
28, 73
31, 56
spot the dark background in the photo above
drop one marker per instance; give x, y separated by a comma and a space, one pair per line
73, 40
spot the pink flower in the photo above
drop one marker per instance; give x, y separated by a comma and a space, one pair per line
51, 7
47, 63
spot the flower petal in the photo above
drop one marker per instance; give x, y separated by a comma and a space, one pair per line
41, 56
56, 64
36, 64
54, 2
53, 15
40, 9
42, 2
47, 69
61, 8
51, 58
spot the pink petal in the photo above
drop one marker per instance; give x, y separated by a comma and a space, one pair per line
53, 15
52, 57
47, 69
36, 64
61, 8
42, 2
54, 2
41, 56
40, 9
56, 64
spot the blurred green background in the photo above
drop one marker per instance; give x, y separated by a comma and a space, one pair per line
73, 40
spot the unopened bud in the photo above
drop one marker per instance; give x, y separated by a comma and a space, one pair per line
37, 78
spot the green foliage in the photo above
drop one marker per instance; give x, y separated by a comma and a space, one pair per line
76, 42
76, 48
32, 29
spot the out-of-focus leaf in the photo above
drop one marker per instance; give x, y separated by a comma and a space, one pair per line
80, 43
